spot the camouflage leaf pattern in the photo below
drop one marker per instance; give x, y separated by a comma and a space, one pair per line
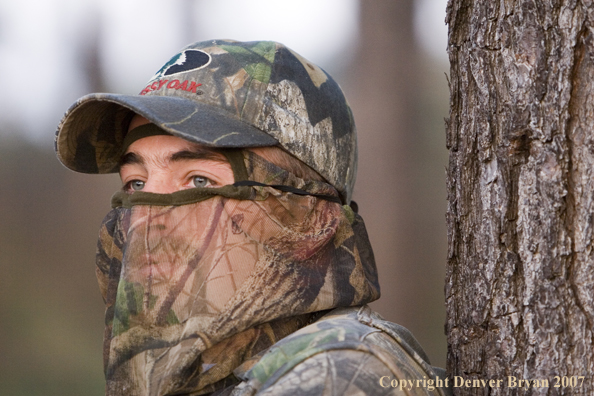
347, 352
248, 89
194, 290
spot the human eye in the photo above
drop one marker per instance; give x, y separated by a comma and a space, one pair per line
201, 181
134, 185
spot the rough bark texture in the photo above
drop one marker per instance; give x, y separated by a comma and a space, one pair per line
520, 276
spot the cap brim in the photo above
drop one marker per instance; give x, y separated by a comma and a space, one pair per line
89, 138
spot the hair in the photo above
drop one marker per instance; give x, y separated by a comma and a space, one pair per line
283, 159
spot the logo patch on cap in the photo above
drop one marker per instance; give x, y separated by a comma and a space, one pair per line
184, 62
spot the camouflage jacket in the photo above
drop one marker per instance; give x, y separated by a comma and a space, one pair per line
349, 351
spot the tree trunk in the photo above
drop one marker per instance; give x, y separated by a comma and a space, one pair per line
520, 276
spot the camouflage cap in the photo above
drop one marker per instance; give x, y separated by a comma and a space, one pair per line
224, 93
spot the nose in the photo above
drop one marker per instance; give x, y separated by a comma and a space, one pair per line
160, 183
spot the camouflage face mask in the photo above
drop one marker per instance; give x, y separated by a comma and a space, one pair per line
198, 281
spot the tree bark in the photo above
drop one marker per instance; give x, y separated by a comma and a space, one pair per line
520, 276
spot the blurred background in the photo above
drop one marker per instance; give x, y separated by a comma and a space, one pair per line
389, 57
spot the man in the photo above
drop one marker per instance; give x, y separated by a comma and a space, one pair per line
231, 262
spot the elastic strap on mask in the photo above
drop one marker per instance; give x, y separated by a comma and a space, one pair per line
140, 132
236, 160
182, 197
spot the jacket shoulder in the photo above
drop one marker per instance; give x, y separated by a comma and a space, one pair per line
350, 351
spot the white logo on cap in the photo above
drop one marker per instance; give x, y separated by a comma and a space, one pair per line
185, 61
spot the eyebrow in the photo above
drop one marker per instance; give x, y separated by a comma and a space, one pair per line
197, 153
130, 159
183, 155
